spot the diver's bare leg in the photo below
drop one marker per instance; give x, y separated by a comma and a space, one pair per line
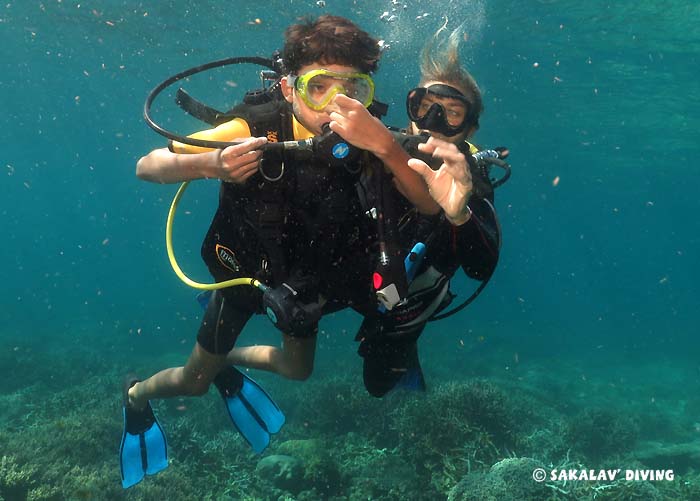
295, 360
191, 380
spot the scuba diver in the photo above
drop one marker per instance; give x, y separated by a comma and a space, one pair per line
290, 221
446, 105
444, 112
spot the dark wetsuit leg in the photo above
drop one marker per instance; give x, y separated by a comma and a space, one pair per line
385, 363
388, 342
223, 322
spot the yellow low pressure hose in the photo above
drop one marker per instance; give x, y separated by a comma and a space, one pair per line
176, 268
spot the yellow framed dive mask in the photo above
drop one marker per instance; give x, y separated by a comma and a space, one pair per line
318, 87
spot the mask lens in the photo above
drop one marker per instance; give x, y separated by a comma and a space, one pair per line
360, 90
318, 87
436, 109
414, 101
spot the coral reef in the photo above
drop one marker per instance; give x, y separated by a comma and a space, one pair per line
599, 433
15, 481
460, 440
282, 471
508, 480
321, 471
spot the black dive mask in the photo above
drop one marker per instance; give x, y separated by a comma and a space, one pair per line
435, 118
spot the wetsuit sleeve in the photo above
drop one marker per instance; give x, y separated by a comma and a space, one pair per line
228, 131
478, 241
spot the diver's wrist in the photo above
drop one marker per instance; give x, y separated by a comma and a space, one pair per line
211, 167
386, 147
463, 217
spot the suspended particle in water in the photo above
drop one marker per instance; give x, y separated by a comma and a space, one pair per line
321, 3
555, 181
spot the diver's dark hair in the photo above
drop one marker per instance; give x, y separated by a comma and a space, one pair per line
329, 40
440, 63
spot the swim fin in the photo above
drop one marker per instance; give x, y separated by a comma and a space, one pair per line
251, 409
203, 299
143, 449
412, 380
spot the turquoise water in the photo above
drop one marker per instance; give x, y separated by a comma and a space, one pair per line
595, 298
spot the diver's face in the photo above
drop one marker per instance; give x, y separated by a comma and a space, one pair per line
455, 112
311, 119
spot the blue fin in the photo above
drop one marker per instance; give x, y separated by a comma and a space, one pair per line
143, 449
250, 408
203, 299
412, 380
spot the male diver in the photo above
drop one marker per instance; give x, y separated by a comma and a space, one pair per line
291, 222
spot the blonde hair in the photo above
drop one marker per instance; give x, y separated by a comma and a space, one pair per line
440, 63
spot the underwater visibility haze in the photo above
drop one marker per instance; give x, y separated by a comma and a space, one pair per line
582, 352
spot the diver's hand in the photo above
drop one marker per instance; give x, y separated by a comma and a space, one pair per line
354, 123
450, 185
237, 163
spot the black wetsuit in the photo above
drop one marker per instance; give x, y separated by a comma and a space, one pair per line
306, 229
309, 229
388, 341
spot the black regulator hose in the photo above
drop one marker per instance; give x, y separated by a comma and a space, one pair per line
329, 144
261, 61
